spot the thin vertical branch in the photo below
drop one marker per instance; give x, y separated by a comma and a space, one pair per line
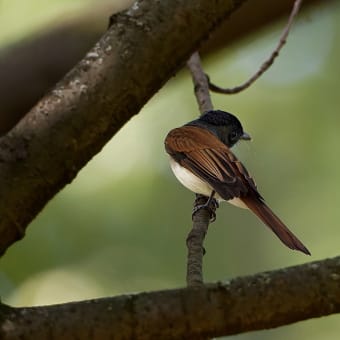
201, 218
201, 84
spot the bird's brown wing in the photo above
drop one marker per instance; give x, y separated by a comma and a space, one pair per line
202, 153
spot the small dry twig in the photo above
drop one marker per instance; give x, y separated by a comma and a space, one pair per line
265, 66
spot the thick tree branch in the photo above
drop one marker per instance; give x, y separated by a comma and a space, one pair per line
137, 55
262, 301
30, 62
31, 67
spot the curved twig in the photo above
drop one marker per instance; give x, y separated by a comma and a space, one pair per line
265, 66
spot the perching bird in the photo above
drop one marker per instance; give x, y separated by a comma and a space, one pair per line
202, 161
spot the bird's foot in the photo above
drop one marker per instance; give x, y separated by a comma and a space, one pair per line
211, 205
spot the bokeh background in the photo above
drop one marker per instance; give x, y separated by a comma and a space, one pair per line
120, 227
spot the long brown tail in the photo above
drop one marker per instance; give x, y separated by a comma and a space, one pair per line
262, 211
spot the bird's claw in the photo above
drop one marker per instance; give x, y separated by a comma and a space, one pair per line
210, 207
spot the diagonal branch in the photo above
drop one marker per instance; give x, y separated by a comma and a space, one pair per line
261, 301
142, 49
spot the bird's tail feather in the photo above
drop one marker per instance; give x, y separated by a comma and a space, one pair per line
262, 211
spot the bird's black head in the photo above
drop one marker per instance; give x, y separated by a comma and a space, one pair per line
223, 124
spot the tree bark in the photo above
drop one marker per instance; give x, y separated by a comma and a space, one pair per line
262, 301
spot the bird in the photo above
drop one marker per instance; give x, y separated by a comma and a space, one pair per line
202, 160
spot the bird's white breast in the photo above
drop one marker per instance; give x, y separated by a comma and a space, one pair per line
189, 180
195, 184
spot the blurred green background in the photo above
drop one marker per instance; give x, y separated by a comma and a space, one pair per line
121, 225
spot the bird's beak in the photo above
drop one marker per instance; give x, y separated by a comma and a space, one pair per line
245, 136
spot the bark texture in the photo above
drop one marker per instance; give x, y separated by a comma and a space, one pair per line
262, 301
30, 67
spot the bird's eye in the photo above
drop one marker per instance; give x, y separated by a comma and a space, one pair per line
233, 135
